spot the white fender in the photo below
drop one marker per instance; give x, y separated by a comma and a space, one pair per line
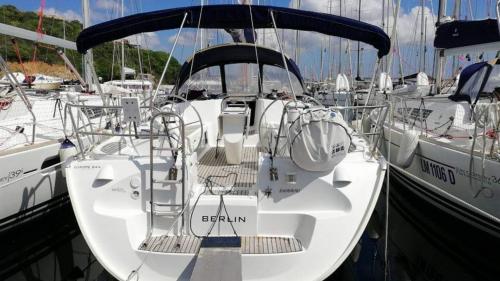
407, 148
66, 151
346, 81
341, 83
422, 79
385, 82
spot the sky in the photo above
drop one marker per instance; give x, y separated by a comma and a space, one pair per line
310, 45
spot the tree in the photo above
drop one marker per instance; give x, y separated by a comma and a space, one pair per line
103, 54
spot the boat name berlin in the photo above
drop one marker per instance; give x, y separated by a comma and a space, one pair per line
223, 219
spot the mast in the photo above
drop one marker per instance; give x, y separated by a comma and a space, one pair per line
456, 13
330, 62
393, 37
421, 47
123, 54
383, 27
202, 31
321, 62
297, 38
340, 43
359, 19
425, 42
401, 70
439, 59
88, 57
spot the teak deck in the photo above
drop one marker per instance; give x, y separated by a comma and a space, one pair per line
220, 174
249, 244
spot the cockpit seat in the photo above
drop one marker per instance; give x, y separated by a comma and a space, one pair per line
234, 121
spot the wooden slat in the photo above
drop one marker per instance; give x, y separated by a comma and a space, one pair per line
192, 241
165, 243
171, 246
252, 246
284, 246
156, 243
198, 243
266, 246
180, 242
280, 245
288, 245
184, 244
272, 247
149, 242
261, 244
293, 245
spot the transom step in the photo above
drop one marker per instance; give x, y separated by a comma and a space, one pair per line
249, 244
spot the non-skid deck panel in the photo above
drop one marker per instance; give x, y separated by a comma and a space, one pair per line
249, 244
222, 264
219, 173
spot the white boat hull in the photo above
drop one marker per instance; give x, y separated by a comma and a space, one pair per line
326, 212
25, 183
113, 224
446, 171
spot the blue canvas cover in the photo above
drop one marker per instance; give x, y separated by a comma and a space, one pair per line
234, 17
466, 33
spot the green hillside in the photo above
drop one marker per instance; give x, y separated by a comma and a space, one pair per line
153, 61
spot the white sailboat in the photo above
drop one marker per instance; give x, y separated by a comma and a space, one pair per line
446, 146
32, 149
32, 140
130, 84
235, 187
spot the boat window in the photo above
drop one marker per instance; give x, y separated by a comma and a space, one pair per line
206, 79
493, 80
241, 78
276, 78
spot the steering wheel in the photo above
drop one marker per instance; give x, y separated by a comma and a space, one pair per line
171, 106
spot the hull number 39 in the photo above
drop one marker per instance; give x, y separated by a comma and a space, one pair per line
440, 172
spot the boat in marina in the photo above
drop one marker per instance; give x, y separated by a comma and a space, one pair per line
34, 142
236, 186
45, 83
37, 81
447, 144
415, 86
140, 85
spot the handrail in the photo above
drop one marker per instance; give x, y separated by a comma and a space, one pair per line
375, 132
478, 122
182, 149
109, 109
151, 134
